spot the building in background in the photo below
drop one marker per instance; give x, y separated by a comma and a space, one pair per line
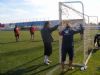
38, 24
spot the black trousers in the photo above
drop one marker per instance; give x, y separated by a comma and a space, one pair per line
98, 43
47, 48
65, 51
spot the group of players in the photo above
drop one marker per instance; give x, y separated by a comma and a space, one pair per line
67, 46
67, 42
17, 32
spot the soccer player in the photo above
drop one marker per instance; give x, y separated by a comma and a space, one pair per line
97, 40
82, 31
68, 45
32, 30
47, 40
17, 33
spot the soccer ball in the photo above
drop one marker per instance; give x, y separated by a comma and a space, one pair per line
83, 68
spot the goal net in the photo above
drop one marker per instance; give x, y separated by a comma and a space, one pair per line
73, 13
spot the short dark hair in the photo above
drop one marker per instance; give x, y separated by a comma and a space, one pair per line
16, 26
67, 25
46, 23
31, 25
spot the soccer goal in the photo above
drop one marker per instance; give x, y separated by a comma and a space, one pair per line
73, 13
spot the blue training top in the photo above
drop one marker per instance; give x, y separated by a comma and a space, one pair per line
67, 33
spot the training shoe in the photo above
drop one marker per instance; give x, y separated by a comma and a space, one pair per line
70, 68
64, 70
46, 62
49, 61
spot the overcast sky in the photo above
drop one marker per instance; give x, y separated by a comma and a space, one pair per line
15, 10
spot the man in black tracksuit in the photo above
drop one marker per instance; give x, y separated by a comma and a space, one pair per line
47, 40
68, 45
82, 31
97, 40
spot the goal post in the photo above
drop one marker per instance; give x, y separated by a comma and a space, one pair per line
90, 31
73, 13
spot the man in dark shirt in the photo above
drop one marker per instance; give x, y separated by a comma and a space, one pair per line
17, 33
47, 40
82, 31
68, 45
97, 40
32, 31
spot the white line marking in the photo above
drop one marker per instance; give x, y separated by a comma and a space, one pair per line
51, 72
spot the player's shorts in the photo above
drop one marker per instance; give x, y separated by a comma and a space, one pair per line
98, 43
65, 51
16, 34
32, 33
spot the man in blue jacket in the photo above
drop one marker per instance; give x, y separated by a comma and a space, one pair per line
47, 40
68, 45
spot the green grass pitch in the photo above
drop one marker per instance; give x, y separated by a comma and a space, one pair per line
26, 57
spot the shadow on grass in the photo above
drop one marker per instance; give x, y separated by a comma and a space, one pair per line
69, 72
20, 52
24, 70
95, 50
36, 40
12, 42
19, 70
44, 69
98, 68
34, 69
8, 42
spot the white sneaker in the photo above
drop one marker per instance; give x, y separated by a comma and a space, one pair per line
71, 68
46, 62
49, 61
64, 70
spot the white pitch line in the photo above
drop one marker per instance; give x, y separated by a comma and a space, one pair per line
88, 57
51, 72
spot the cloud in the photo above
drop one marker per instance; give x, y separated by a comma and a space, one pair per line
45, 8
40, 9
